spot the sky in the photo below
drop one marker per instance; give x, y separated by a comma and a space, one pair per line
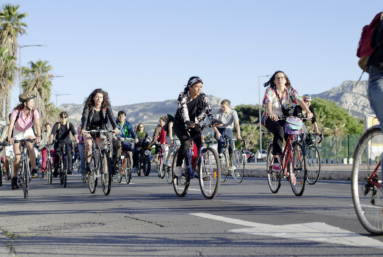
145, 51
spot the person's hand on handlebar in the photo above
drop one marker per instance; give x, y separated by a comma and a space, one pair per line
273, 117
310, 115
136, 140
190, 124
116, 131
239, 137
10, 140
219, 123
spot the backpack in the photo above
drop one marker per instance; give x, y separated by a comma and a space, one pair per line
365, 50
58, 127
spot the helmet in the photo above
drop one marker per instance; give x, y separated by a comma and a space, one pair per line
26, 96
194, 80
306, 97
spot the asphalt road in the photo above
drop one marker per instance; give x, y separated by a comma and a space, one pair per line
146, 218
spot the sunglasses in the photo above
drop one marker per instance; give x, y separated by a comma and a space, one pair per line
63, 117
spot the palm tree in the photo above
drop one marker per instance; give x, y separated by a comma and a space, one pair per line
11, 27
39, 80
7, 68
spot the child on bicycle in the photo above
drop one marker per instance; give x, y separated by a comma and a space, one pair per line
278, 100
20, 127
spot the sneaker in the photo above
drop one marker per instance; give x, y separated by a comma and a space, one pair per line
87, 169
69, 172
178, 172
293, 178
276, 167
167, 162
34, 173
43, 175
6, 178
14, 184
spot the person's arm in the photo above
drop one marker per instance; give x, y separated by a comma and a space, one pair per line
236, 124
209, 110
270, 113
53, 133
155, 136
4, 135
304, 106
74, 134
217, 134
182, 105
11, 126
170, 133
109, 112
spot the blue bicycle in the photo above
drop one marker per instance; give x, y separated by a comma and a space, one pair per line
205, 167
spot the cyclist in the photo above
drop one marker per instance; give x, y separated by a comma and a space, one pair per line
44, 140
61, 130
5, 158
141, 136
97, 114
157, 136
278, 99
168, 128
299, 112
81, 149
22, 119
193, 107
126, 131
228, 116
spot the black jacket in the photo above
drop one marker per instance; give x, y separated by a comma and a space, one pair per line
376, 57
106, 115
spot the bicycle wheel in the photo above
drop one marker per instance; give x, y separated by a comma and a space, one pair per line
181, 188
366, 196
297, 169
238, 166
128, 168
274, 178
161, 172
146, 166
92, 177
119, 171
64, 172
224, 166
169, 174
1, 175
48, 171
106, 173
313, 162
26, 180
209, 173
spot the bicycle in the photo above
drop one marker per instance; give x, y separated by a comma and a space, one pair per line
292, 163
8, 153
100, 161
48, 165
160, 164
144, 159
124, 164
25, 172
63, 159
206, 164
236, 163
366, 180
313, 158
167, 168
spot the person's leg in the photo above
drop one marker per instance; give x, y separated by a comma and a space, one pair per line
135, 156
278, 130
185, 144
88, 150
69, 153
81, 149
56, 160
221, 141
44, 156
6, 164
32, 158
375, 92
16, 165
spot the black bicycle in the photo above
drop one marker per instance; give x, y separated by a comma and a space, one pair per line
144, 159
124, 164
25, 172
313, 158
63, 159
234, 163
100, 162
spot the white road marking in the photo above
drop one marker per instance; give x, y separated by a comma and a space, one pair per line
194, 189
315, 231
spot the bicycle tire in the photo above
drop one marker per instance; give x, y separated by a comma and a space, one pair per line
92, 176
239, 164
26, 180
1, 174
161, 172
274, 178
128, 168
119, 171
169, 174
209, 173
146, 166
224, 167
106, 178
181, 189
364, 194
48, 171
298, 173
313, 162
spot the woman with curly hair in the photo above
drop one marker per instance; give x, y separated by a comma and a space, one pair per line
96, 115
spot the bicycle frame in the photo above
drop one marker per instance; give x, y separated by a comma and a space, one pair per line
290, 154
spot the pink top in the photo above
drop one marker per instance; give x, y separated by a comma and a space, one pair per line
24, 124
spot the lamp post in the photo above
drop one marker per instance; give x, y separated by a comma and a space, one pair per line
59, 95
259, 94
22, 46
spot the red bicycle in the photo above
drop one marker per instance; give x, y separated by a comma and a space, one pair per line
292, 163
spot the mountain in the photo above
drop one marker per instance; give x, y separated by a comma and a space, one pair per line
346, 95
147, 113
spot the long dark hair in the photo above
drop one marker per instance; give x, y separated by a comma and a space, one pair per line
271, 80
90, 102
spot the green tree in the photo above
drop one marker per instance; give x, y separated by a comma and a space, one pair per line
7, 68
11, 26
39, 80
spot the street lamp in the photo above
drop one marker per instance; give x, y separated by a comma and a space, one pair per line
20, 60
260, 130
59, 95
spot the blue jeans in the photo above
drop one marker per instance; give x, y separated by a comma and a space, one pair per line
81, 149
375, 91
221, 142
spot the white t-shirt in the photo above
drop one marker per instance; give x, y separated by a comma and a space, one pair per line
227, 118
277, 109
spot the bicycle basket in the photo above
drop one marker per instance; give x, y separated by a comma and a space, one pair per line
293, 126
310, 139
